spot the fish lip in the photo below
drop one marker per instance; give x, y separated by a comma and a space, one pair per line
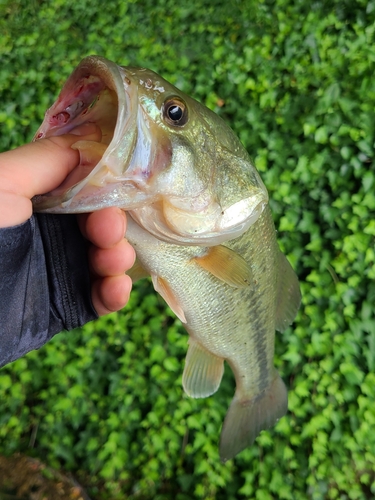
63, 204
92, 75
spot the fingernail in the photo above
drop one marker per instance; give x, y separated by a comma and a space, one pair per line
85, 129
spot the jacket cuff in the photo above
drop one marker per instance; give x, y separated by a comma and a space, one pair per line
65, 252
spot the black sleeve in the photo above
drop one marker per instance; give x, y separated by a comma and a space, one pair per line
44, 283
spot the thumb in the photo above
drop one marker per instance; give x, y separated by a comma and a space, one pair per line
41, 166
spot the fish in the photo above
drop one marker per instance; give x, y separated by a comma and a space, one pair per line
200, 222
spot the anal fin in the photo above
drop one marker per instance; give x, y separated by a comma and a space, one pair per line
227, 266
203, 371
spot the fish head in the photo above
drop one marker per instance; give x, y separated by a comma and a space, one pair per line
172, 163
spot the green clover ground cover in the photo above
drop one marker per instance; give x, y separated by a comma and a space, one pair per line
295, 80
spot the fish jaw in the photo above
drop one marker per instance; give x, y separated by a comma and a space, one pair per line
209, 226
185, 185
131, 151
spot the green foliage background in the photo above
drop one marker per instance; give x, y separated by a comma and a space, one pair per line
297, 82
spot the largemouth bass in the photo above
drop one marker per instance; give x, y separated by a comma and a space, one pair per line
199, 221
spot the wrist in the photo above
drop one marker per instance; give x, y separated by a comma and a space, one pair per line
14, 209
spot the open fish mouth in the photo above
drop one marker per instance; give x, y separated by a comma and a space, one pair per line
100, 92
170, 162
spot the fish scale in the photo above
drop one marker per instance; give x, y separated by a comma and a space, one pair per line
236, 325
199, 221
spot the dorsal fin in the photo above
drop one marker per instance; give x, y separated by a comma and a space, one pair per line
288, 296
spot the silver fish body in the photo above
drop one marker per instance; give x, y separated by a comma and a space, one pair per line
235, 324
199, 222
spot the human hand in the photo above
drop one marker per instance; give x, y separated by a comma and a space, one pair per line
41, 166
110, 256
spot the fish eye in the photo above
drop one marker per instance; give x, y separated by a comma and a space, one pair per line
175, 112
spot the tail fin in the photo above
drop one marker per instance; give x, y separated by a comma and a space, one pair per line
246, 418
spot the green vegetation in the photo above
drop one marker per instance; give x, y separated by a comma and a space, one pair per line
295, 80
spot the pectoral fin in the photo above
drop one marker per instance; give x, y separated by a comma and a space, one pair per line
162, 287
289, 294
227, 266
203, 371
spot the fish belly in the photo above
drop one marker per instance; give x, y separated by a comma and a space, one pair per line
225, 323
230, 323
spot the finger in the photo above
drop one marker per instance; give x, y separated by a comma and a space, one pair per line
111, 294
104, 228
41, 166
112, 261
